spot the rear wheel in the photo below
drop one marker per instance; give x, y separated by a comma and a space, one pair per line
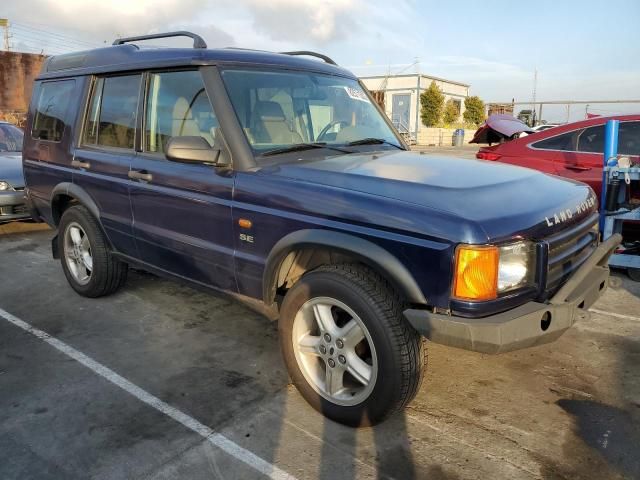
347, 347
87, 262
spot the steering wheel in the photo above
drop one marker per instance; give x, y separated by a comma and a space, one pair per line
329, 126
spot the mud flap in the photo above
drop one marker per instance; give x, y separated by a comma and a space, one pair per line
54, 247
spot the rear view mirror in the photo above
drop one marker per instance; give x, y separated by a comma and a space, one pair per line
191, 150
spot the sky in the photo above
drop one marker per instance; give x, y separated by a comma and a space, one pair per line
581, 49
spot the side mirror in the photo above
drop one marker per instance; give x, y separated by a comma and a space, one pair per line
191, 150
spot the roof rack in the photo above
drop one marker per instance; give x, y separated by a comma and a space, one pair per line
312, 54
198, 41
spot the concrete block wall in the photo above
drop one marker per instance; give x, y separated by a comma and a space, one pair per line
440, 136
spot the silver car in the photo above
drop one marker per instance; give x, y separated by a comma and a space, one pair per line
12, 202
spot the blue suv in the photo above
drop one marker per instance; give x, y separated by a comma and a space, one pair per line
276, 177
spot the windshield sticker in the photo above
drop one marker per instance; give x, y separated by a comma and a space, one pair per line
356, 94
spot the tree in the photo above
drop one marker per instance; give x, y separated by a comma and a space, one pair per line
473, 110
451, 112
432, 102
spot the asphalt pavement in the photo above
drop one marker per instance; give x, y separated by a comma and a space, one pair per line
162, 381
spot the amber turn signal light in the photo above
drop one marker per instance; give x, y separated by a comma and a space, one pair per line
244, 223
476, 273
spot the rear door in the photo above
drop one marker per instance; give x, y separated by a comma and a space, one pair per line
106, 149
182, 212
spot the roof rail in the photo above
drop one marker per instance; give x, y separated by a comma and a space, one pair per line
312, 54
198, 41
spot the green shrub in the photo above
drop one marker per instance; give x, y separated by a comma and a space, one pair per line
473, 110
432, 103
451, 112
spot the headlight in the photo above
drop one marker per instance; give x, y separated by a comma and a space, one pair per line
482, 272
5, 186
516, 267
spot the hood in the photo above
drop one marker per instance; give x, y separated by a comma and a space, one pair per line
500, 200
11, 168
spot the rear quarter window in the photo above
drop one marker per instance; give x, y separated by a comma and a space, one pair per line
563, 142
52, 110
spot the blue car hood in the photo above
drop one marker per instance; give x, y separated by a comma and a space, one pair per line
500, 200
11, 168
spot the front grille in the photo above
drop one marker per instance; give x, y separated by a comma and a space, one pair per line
568, 250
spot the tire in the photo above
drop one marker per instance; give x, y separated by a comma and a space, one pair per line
106, 274
394, 353
634, 274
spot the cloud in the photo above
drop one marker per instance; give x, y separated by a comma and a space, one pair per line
318, 21
97, 21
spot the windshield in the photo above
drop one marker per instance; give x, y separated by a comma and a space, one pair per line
10, 138
281, 109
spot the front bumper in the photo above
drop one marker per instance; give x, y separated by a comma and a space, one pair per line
531, 324
12, 206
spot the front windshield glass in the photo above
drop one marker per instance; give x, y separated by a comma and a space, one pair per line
280, 109
10, 138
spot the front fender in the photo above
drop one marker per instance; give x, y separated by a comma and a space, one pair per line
368, 252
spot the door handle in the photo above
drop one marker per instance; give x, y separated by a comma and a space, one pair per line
578, 168
79, 164
140, 175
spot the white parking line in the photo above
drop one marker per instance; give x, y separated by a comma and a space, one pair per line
216, 439
617, 315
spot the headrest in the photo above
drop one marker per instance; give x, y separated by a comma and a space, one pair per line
269, 111
181, 110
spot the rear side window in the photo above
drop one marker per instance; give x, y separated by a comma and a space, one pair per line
52, 110
562, 142
111, 119
591, 140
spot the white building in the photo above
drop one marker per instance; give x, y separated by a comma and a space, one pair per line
399, 97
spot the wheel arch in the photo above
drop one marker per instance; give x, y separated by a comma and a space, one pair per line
65, 193
354, 247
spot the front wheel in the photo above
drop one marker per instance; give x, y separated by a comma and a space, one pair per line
347, 347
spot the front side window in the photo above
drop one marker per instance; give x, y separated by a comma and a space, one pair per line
278, 109
591, 140
563, 142
10, 138
177, 105
52, 110
111, 118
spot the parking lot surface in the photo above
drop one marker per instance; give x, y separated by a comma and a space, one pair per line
164, 381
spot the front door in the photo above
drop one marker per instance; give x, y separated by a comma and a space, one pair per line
182, 212
400, 111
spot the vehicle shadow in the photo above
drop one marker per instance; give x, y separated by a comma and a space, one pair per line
393, 457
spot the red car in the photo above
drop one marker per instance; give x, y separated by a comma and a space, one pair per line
573, 150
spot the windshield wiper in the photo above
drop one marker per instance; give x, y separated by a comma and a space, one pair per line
373, 141
298, 147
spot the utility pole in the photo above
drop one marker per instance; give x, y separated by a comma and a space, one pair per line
5, 23
533, 95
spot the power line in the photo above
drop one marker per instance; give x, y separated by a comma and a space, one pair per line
46, 42
55, 34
